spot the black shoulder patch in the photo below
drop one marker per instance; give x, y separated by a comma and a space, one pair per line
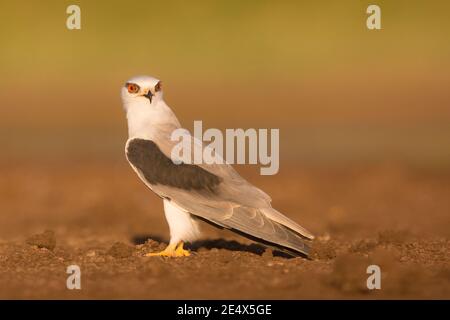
157, 168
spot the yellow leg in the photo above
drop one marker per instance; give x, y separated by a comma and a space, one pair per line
181, 252
172, 250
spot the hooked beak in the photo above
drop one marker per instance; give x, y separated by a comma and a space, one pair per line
149, 95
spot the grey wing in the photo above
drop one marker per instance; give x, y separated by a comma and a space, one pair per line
216, 194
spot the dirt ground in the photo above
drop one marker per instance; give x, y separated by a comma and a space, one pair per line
101, 217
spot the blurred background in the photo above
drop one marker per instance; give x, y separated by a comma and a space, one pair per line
340, 93
364, 119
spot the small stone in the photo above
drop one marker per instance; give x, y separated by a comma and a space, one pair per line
152, 243
324, 238
43, 240
91, 253
268, 253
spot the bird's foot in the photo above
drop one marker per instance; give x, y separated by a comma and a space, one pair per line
172, 250
181, 252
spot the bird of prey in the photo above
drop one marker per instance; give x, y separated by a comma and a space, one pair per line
214, 193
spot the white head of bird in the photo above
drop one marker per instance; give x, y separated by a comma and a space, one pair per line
142, 98
141, 90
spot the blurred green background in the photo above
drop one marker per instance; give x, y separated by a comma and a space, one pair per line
340, 93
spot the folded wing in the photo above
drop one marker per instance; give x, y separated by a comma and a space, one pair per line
216, 193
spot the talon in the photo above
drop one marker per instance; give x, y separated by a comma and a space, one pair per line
172, 250
181, 252
167, 252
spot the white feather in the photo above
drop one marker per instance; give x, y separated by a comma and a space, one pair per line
182, 226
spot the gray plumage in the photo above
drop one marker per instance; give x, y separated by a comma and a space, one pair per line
214, 192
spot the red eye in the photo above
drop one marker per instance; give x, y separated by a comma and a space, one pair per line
132, 88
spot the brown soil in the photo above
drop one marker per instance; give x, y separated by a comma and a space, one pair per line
100, 217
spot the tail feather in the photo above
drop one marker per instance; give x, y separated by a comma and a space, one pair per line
291, 243
278, 217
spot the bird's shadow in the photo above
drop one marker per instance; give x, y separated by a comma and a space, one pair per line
231, 245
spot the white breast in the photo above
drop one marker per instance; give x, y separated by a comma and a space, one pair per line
144, 118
